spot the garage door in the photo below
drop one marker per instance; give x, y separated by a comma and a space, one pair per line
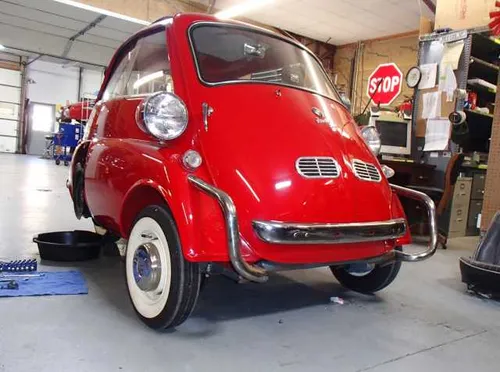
10, 103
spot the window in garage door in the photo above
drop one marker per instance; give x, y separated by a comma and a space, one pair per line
10, 103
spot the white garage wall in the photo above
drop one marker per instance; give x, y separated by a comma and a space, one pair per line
91, 81
54, 84
10, 98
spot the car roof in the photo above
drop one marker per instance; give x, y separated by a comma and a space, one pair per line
191, 18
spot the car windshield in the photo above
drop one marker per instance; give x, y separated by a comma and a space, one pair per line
233, 54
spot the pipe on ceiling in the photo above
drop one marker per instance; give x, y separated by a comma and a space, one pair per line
430, 4
211, 6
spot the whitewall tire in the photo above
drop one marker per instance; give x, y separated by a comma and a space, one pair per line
162, 285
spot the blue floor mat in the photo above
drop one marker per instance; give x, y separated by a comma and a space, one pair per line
52, 283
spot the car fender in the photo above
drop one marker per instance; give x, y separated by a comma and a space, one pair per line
79, 156
173, 191
144, 192
196, 215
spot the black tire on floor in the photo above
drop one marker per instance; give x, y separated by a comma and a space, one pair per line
184, 281
376, 280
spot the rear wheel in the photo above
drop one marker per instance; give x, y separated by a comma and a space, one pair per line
366, 278
79, 205
163, 286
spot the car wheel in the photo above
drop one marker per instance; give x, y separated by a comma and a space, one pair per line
369, 280
79, 205
162, 285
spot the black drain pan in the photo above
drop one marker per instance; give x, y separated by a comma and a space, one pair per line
69, 245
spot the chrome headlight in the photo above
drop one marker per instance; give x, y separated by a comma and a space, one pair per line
372, 139
165, 116
388, 171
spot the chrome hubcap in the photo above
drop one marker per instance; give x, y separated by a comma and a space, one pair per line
360, 269
147, 267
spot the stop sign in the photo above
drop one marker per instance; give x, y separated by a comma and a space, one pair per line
384, 84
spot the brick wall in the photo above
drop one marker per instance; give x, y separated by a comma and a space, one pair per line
491, 202
400, 49
342, 62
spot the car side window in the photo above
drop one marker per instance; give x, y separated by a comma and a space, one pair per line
117, 83
150, 72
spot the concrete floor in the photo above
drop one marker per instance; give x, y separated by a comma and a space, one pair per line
425, 321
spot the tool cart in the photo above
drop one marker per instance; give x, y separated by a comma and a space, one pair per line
65, 140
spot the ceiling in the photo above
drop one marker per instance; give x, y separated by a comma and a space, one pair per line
29, 27
56, 30
339, 21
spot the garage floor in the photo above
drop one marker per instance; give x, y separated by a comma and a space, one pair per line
424, 321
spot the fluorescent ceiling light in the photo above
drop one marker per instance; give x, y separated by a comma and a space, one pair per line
242, 8
103, 11
146, 79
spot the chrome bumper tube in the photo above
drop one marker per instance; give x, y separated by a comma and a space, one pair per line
247, 271
433, 231
285, 233
329, 233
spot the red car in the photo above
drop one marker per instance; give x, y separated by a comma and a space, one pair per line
216, 146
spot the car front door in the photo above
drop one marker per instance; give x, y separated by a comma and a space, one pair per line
105, 116
143, 68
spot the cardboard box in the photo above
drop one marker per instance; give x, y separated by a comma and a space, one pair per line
462, 14
426, 26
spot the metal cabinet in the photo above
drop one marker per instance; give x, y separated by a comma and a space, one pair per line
476, 206
460, 207
478, 182
476, 202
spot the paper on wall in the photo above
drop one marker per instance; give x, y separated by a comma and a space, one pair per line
437, 135
447, 81
431, 107
452, 53
428, 79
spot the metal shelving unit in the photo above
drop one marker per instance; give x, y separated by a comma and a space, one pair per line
481, 114
430, 51
478, 61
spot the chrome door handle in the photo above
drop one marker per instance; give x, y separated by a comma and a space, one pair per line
207, 111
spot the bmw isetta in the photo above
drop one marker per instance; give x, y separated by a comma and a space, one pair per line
220, 144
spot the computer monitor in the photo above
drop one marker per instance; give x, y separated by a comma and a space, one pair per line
395, 135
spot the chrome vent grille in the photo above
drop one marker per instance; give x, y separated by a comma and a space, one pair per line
366, 171
317, 167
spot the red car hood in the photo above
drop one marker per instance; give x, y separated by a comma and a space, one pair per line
254, 139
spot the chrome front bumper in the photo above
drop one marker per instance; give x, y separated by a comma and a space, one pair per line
286, 233
294, 233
